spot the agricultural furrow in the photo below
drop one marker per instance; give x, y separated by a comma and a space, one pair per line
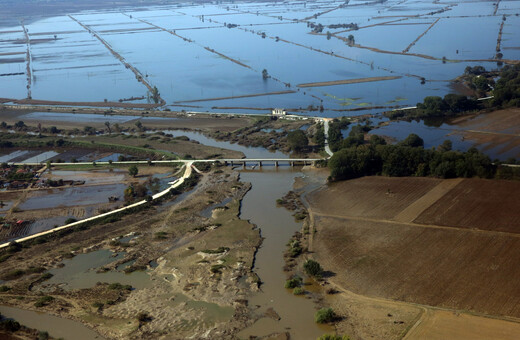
28, 62
420, 36
138, 75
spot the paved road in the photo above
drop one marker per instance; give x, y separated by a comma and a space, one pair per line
326, 132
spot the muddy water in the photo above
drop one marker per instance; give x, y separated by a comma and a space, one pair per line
248, 151
277, 226
80, 272
55, 326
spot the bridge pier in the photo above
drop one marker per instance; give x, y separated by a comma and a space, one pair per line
260, 164
276, 163
292, 163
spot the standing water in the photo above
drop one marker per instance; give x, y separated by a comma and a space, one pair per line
277, 225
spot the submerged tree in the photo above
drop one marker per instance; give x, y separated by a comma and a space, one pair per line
156, 96
265, 75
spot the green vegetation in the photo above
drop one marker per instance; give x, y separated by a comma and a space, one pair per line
43, 301
507, 88
313, 268
118, 286
219, 250
133, 170
297, 140
4, 289
9, 325
409, 158
325, 315
298, 291
293, 282
295, 248
451, 105
333, 337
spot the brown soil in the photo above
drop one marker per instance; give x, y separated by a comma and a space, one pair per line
442, 262
441, 325
348, 81
477, 204
373, 197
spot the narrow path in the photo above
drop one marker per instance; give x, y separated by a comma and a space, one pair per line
175, 184
326, 132
28, 58
420, 36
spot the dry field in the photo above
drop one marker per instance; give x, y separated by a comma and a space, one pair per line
477, 204
448, 244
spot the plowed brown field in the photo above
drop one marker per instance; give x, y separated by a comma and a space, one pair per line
381, 197
449, 244
478, 203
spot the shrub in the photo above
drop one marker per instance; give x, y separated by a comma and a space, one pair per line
298, 291
46, 276
313, 268
118, 286
333, 337
43, 301
325, 315
294, 282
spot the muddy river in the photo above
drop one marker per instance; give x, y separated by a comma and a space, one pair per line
277, 226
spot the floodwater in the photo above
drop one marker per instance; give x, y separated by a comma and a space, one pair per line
187, 51
72, 196
248, 151
277, 225
56, 327
80, 272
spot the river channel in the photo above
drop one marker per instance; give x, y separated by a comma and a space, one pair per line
277, 225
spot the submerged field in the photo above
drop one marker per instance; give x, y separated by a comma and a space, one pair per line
211, 57
451, 244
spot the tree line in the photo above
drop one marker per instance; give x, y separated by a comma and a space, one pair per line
410, 158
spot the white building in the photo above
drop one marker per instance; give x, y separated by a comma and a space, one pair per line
278, 112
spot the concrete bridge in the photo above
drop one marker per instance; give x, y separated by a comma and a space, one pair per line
225, 161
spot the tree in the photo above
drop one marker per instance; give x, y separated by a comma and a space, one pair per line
312, 268
325, 315
445, 146
156, 96
297, 140
413, 141
107, 124
139, 125
19, 124
350, 39
265, 74
133, 170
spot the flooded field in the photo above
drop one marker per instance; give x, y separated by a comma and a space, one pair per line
93, 56
81, 272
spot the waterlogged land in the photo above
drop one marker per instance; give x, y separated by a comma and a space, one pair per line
212, 57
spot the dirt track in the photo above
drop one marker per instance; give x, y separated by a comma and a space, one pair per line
348, 81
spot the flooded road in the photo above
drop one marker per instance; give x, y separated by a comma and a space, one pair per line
277, 226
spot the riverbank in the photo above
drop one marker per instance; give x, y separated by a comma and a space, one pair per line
202, 271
